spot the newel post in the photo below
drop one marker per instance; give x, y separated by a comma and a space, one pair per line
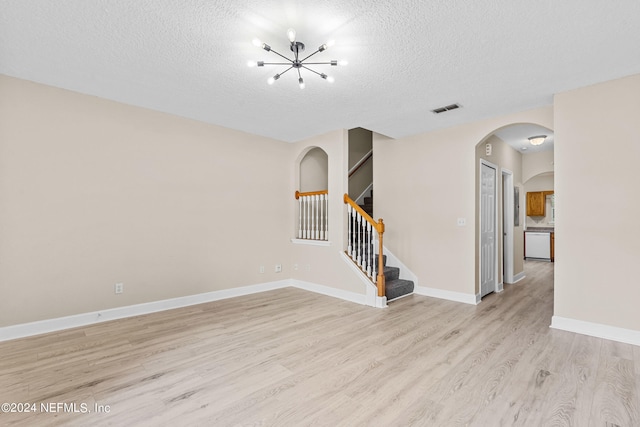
380, 279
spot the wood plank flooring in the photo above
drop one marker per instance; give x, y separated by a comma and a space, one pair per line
293, 358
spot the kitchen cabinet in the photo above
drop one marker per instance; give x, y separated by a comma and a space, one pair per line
536, 201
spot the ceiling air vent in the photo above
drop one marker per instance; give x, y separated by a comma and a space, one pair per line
447, 108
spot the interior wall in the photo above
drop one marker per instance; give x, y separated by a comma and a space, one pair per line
360, 143
423, 184
93, 193
314, 171
596, 186
324, 265
504, 157
537, 163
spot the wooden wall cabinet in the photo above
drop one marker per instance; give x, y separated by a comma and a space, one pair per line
536, 202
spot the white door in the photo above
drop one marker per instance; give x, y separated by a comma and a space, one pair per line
487, 229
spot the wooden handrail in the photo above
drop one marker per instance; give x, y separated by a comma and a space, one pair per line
360, 162
379, 227
311, 193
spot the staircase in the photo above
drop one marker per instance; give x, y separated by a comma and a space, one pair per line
394, 286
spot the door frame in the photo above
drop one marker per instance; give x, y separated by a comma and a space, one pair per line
495, 228
508, 225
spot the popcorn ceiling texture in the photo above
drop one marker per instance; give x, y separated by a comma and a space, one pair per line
406, 57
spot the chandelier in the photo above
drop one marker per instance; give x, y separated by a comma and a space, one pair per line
296, 63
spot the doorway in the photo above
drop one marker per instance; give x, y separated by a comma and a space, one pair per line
488, 228
508, 215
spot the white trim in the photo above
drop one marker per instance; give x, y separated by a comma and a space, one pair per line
518, 277
507, 217
310, 242
448, 295
405, 272
362, 161
500, 287
329, 291
495, 226
360, 199
372, 298
85, 319
628, 336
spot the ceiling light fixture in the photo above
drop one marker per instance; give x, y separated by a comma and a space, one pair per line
296, 63
537, 140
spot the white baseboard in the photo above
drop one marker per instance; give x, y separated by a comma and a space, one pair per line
598, 330
518, 277
448, 295
85, 319
329, 291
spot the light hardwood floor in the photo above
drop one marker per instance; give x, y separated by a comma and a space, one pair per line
294, 358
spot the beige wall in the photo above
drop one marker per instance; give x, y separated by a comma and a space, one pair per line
360, 143
504, 157
314, 169
423, 183
93, 192
537, 163
596, 183
324, 265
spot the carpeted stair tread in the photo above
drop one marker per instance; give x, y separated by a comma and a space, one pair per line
397, 288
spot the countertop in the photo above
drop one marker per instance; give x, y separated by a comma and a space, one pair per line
540, 229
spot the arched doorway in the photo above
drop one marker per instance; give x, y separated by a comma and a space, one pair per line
502, 158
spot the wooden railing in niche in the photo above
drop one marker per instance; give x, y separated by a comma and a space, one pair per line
313, 216
364, 239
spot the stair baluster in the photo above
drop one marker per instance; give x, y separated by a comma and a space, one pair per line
313, 222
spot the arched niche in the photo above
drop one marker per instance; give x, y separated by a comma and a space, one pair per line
313, 170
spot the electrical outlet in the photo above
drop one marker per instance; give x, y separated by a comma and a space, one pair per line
119, 288
278, 268
295, 267
462, 222
262, 269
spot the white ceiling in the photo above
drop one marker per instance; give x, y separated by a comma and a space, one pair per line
517, 136
406, 57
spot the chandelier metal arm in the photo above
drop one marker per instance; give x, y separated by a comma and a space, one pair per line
310, 55
319, 63
313, 71
281, 55
276, 63
285, 70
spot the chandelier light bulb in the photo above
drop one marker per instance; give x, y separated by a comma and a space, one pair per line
252, 63
343, 63
330, 79
273, 79
301, 83
330, 43
256, 42
291, 34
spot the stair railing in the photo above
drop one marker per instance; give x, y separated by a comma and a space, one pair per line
313, 217
364, 237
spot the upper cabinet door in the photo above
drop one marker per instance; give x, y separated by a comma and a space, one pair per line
535, 203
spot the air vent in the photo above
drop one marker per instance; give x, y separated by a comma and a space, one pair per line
447, 108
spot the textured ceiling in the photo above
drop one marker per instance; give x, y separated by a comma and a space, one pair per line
406, 57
